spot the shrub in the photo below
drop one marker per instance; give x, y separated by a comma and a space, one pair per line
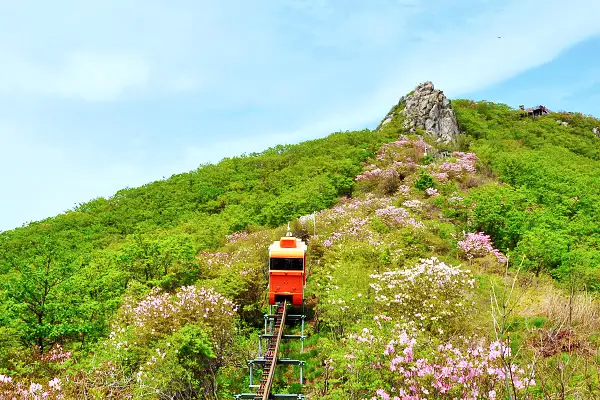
389, 182
430, 293
17, 390
449, 372
479, 244
178, 366
397, 216
168, 345
161, 313
427, 159
424, 181
384, 361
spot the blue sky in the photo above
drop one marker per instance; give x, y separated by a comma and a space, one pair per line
96, 96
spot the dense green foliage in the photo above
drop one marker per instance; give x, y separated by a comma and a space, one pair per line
548, 209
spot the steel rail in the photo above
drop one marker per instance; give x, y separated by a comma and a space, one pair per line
264, 390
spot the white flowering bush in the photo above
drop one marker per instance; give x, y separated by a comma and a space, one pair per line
178, 366
21, 390
432, 192
430, 293
167, 345
161, 313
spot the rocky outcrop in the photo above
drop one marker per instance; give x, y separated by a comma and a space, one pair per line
429, 109
596, 131
388, 118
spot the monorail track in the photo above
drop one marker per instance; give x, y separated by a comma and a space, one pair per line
269, 359
264, 390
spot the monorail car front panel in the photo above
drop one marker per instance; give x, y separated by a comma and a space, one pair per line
287, 270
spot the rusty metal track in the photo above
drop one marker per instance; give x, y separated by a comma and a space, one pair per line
266, 381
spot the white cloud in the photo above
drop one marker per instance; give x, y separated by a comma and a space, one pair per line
184, 83
249, 50
476, 58
81, 75
94, 77
461, 58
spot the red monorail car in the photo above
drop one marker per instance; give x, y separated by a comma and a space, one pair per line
287, 270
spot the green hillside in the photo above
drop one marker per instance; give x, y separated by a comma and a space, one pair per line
549, 209
472, 275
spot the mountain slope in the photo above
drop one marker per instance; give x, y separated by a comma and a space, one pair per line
402, 270
62, 278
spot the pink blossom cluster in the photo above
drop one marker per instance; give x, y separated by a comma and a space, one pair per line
420, 144
398, 144
357, 213
393, 216
369, 175
236, 236
465, 163
431, 192
331, 240
450, 372
395, 169
349, 208
56, 355
389, 173
405, 143
428, 293
356, 225
338, 210
411, 365
11, 389
413, 204
403, 190
160, 311
217, 260
441, 177
405, 167
355, 206
369, 203
479, 244
395, 158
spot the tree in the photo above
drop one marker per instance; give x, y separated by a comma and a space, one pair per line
36, 289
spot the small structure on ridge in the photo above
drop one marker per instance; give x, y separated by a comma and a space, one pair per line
536, 111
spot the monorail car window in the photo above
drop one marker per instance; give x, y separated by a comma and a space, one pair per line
288, 264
